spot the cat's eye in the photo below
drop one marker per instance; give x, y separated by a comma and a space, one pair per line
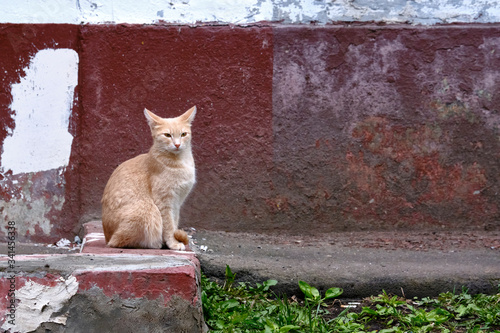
183, 134
168, 135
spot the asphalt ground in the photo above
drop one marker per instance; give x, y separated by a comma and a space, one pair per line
363, 263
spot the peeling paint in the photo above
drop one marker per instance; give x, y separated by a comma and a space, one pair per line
247, 12
31, 200
40, 303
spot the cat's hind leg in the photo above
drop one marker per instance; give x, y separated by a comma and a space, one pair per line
142, 229
153, 232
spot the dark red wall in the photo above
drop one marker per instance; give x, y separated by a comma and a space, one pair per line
299, 128
225, 71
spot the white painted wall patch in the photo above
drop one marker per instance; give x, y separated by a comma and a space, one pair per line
42, 103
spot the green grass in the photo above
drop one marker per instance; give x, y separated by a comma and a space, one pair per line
231, 307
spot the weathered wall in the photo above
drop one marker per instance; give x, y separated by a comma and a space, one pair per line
300, 127
387, 127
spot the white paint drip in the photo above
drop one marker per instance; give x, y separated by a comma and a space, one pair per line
37, 303
95, 236
92, 237
42, 104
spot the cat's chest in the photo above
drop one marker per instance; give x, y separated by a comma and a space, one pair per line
174, 181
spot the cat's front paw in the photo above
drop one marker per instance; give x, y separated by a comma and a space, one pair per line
175, 245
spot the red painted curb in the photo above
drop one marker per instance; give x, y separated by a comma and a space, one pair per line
103, 280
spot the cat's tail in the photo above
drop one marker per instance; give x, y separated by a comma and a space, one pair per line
181, 236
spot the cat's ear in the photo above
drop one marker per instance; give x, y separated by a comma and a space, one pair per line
188, 116
153, 120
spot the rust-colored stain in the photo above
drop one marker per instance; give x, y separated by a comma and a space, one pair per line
412, 123
277, 204
405, 179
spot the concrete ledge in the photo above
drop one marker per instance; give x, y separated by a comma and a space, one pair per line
103, 290
331, 261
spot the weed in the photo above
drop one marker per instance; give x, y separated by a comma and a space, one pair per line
241, 307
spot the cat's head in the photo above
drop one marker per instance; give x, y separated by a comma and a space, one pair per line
171, 135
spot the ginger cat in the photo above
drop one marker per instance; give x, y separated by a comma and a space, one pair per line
143, 197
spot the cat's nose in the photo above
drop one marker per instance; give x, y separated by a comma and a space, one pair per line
177, 145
